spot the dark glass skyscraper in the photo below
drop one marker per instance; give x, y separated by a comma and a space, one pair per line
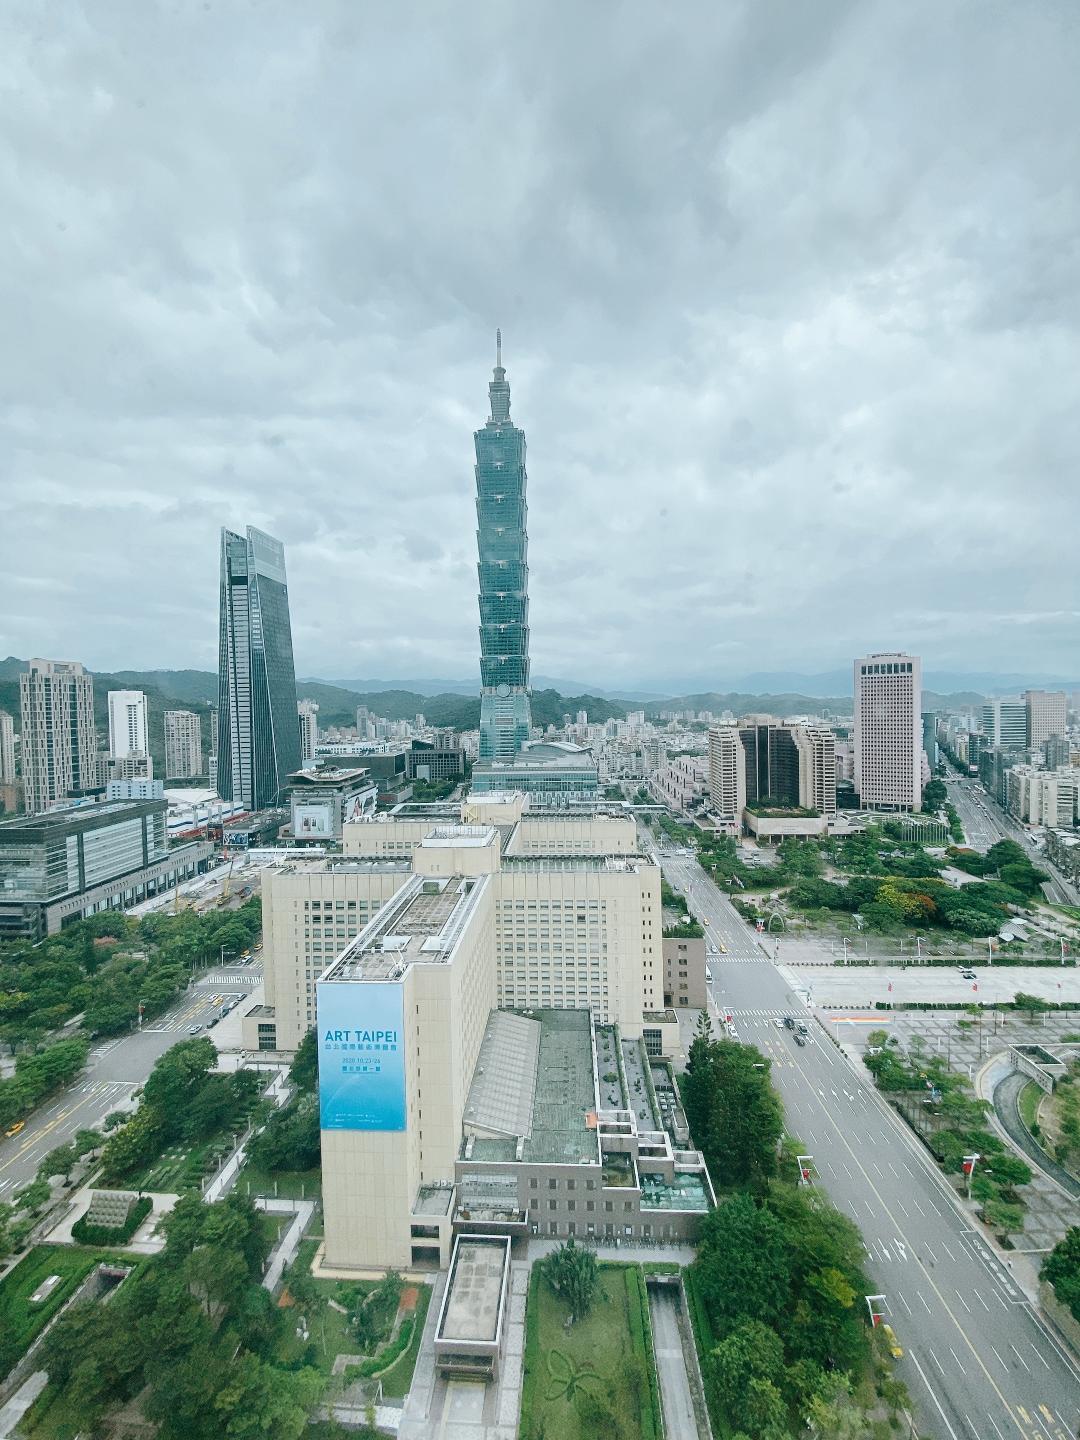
502, 545
258, 740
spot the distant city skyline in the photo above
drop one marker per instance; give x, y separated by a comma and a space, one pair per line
791, 398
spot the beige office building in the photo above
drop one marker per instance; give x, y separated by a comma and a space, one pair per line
1045, 715
59, 740
888, 732
183, 745
403, 950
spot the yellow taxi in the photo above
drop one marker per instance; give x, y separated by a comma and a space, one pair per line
895, 1348
14, 1129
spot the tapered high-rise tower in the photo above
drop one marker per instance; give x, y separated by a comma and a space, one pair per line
258, 739
503, 569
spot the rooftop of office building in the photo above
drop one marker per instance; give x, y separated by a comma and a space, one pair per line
543, 755
533, 1096
85, 813
420, 924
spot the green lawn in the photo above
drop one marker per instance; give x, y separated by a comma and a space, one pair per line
292, 1184
1028, 1103
180, 1168
397, 1380
20, 1321
609, 1353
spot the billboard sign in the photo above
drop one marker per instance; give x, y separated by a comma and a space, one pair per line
361, 1055
314, 819
355, 807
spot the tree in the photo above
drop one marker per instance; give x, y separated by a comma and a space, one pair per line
60, 1161
304, 1071
1061, 1269
570, 1270
1005, 1217
751, 1351
258, 1400
735, 1115
742, 1264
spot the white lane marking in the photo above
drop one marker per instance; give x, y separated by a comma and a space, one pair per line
963, 1302
948, 1252
956, 1357
907, 1212
903, 1302
901, 1249
923, 1299
994, 1423
918, 1207
978, 1297
1000, 1361
930, 1252
937, 1402
1019, 1357
1041, 1356
937, 1362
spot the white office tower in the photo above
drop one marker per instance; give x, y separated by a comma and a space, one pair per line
307, 717
888, 732
183, 744
727, 773
1004, 722
1045, 715
59, 742
7, 749
127, 723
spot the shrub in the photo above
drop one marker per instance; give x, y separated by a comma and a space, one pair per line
87, 1234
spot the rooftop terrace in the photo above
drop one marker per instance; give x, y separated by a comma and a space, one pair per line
420, 924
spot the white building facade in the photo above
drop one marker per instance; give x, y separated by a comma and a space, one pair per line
888, 732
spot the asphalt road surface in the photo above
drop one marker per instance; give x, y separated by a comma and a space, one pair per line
115, 1068
985, 823
978, 1360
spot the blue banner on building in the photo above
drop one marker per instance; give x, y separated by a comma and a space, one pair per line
361, 1056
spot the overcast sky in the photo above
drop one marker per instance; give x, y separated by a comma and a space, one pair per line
789, 296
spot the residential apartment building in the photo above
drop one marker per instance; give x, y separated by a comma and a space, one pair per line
307, 716
683, 783
59, 739
183, 745
128, 733
1045, 715
888, 732
7, 749
1042, 797
727, 775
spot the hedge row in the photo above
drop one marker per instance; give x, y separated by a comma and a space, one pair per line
531, 1363
87, 1234
391, 1353
641, 1338
704, 1339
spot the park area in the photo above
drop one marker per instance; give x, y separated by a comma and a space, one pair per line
596, 1377
22, 1319
356, 1333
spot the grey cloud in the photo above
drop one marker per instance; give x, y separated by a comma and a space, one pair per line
791, 299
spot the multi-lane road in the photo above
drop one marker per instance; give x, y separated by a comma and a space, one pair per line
985, 823
115, 1068
978, 1359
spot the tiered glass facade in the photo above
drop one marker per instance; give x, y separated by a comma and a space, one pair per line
258, 739
503, 570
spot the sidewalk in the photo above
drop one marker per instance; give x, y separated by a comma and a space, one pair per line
284, 1253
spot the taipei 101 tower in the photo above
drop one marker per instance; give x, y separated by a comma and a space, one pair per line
503, 569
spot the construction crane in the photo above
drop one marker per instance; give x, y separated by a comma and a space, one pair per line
225, 884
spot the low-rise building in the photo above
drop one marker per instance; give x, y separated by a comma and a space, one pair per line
685, 981
74, 860
325, 799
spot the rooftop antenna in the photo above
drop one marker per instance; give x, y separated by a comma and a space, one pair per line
498, 349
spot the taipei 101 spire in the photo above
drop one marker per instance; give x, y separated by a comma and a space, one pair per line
503, 571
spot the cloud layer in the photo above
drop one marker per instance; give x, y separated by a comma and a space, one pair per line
790, 298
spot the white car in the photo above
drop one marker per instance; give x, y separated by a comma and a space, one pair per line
778, 1022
